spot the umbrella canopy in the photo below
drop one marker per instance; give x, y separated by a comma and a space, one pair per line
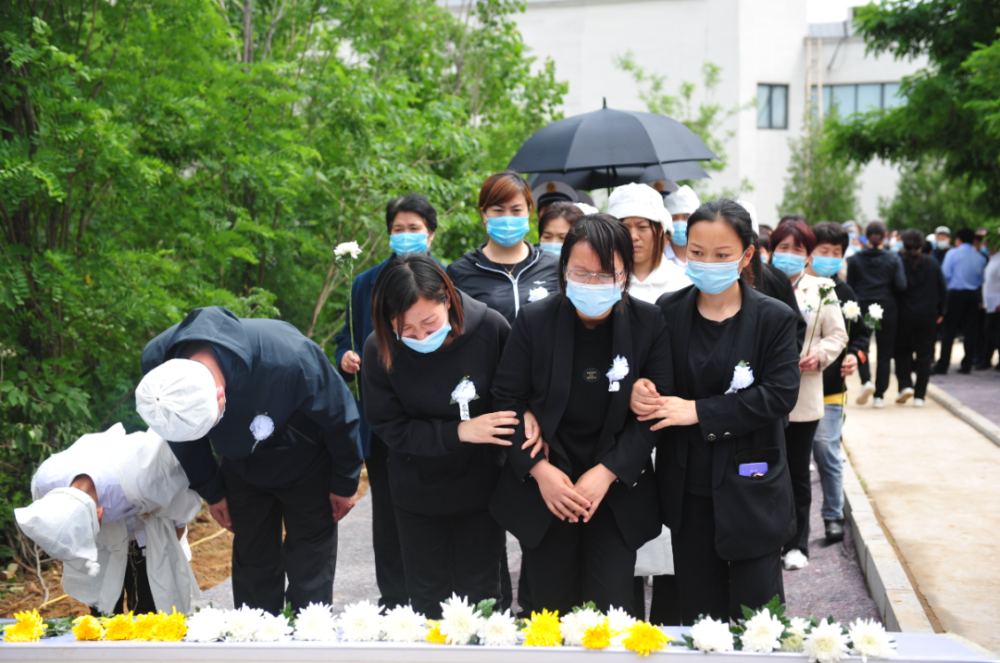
609, 138
602, 178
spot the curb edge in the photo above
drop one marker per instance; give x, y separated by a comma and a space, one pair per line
965, 413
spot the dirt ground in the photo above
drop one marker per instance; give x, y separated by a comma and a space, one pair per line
211, 560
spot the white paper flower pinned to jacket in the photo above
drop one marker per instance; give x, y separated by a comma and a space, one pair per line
619, 369
537, 293
262, 427
742, 378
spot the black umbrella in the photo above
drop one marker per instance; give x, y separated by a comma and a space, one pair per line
608, 139
602, 178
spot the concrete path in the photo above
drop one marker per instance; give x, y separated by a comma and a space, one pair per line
935, 482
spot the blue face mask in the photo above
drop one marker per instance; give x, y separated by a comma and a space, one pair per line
943, 244
789, 263
852, 236
827, 267
680, 234
507, 230
593, 300
713, 277
429, 344
897, 246
551, 247
401, 243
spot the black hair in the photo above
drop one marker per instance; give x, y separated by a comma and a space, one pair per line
556, 210
828, 232
402, 281
967, 235
913, 244
875, 229
792, 217
411, 202
738, 218
606, 236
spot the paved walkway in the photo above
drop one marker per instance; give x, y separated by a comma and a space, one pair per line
936, 485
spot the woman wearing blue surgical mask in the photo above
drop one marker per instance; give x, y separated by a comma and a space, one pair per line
722, 470
506, 272
826, 337
554, 224
427, 371
583, 508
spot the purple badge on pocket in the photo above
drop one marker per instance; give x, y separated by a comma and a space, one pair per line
750, 469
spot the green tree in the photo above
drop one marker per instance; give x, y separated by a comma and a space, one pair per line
926, 198
821, 185
951, 115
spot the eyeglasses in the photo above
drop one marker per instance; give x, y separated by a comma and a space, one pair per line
577, 276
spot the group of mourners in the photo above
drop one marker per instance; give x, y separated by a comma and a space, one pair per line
639, 385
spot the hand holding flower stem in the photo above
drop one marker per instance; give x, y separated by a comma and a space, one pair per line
349, 252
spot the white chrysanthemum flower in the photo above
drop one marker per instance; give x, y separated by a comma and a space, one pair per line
875, 311
796, 635
242, 624
206, 625
402, 624
762, 633
459, 620
574, 625
274, 628
826, 643
711, 635
619, 622
869, 639
345, 249
361, 622
852, 311
316, 622
498, 630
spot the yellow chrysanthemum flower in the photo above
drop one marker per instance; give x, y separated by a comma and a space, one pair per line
119, 627
87, 628
597, 636
644, 638
435, 635
172, 627
145, 626
543, 630
28, 627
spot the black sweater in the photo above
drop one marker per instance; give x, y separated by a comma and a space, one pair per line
926, 290
431, 472
857, 342
876, 275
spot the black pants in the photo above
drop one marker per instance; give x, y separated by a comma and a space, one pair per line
389, 572
308, 555
580, 562
885, 341
450, 554
916, 336
963, 309
713, 586
798, 443
991, 342
136, 596
665, 608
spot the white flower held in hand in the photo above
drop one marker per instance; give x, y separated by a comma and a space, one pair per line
826, 643
317, 623
402, 624
852, 311
346, 249
498, 630
875, 311
869, 639
619, 369
361, 622
742, 378
711, 635
459, 620
763, 633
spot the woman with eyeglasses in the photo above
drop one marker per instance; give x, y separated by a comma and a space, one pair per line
722, 470
582, 509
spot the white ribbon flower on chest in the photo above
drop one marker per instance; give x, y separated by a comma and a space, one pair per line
742, 378
538, 292
262, 427
464, 394
619, 369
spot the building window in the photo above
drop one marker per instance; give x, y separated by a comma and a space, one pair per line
846, 100
772, 106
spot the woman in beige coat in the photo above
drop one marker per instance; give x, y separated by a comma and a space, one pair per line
791, 245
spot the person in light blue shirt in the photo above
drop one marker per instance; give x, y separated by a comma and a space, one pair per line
964, 269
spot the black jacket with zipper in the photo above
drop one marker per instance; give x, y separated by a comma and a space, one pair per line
473, 275
876, 275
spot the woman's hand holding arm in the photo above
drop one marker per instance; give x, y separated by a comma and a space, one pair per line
484, 428
674, 412
645, 399
533, 433
559, 493
593, 486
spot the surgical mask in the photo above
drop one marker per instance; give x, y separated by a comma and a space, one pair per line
680, 235
593, 300
943, 244
897, 246
401, 243
551, 247
430, 343
789, 263
826, 267
852, 236
713, 277
507, 230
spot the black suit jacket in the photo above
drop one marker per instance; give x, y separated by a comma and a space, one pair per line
753, 517
534, 373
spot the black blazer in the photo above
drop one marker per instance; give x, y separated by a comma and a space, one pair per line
534, 373
753, 517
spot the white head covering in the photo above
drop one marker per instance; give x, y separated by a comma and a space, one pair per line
588, 209
177, 400
64, 524
682, 201
639, 200
753, 215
